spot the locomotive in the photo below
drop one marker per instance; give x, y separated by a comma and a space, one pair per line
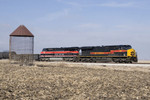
112, 53
67, 53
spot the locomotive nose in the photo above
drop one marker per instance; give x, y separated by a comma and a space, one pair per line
131, 53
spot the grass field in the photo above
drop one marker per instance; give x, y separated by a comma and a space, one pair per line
62, 81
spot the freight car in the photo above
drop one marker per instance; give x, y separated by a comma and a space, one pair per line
36, 57
1, 56
4, 55
113, 53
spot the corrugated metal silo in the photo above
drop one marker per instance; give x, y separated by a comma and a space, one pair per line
22, 44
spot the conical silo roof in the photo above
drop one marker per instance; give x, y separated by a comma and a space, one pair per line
22, 31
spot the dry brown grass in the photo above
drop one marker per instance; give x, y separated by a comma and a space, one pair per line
62, 81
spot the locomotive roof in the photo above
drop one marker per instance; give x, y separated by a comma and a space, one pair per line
86, 47
22, 31
90, 47
62, 48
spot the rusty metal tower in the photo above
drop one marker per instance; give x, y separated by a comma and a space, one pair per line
21, 45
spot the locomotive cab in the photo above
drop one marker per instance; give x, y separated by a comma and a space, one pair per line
131, 53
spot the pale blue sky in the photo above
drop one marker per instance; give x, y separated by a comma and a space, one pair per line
58, 23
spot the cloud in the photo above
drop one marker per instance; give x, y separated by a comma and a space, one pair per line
5, 30
73, 3
115, 4
5, 25
54, 16
108, 4
90, 25
135, 28
59, 0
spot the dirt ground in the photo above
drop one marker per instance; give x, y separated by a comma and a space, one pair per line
63, 81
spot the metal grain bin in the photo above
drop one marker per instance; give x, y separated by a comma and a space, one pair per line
22, 43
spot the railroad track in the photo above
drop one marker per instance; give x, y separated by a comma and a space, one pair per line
141, 63
99, 63
112, 64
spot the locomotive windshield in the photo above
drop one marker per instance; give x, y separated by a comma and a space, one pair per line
49, 49
45, 49
126, 47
